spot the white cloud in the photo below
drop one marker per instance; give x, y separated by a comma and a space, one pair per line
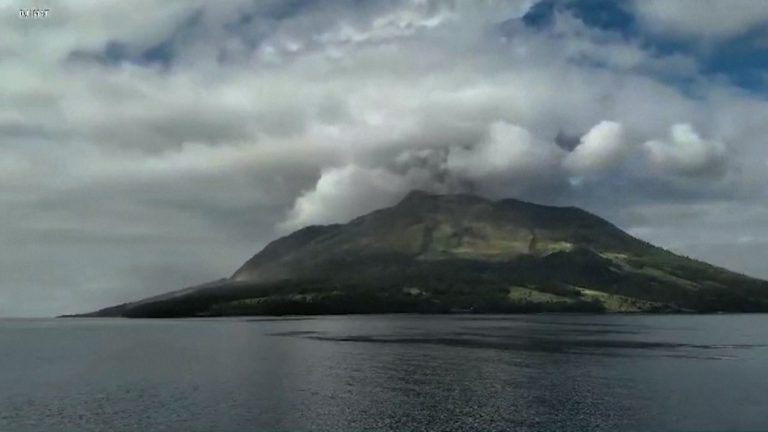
685, 153
600, 150
710, 19
344, 193
509, 151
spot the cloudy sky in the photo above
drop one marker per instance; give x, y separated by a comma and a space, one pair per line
147, 145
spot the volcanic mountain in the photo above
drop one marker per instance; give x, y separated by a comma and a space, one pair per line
461, 253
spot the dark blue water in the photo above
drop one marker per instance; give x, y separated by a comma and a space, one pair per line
400, 373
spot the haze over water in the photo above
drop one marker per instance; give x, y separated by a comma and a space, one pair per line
467, 372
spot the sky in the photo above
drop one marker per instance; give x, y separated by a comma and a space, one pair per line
150, 145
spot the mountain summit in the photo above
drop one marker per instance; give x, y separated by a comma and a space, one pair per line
443, 253
431, 228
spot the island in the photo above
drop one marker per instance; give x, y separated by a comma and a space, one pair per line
459, 253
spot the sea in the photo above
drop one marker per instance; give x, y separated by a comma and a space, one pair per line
386, 373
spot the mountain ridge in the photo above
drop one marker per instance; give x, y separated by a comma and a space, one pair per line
459, 252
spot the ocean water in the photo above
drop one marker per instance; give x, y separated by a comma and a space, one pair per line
396, 372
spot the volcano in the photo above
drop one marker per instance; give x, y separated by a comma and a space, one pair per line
435, 253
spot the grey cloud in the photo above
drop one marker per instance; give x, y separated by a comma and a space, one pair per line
686, 153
